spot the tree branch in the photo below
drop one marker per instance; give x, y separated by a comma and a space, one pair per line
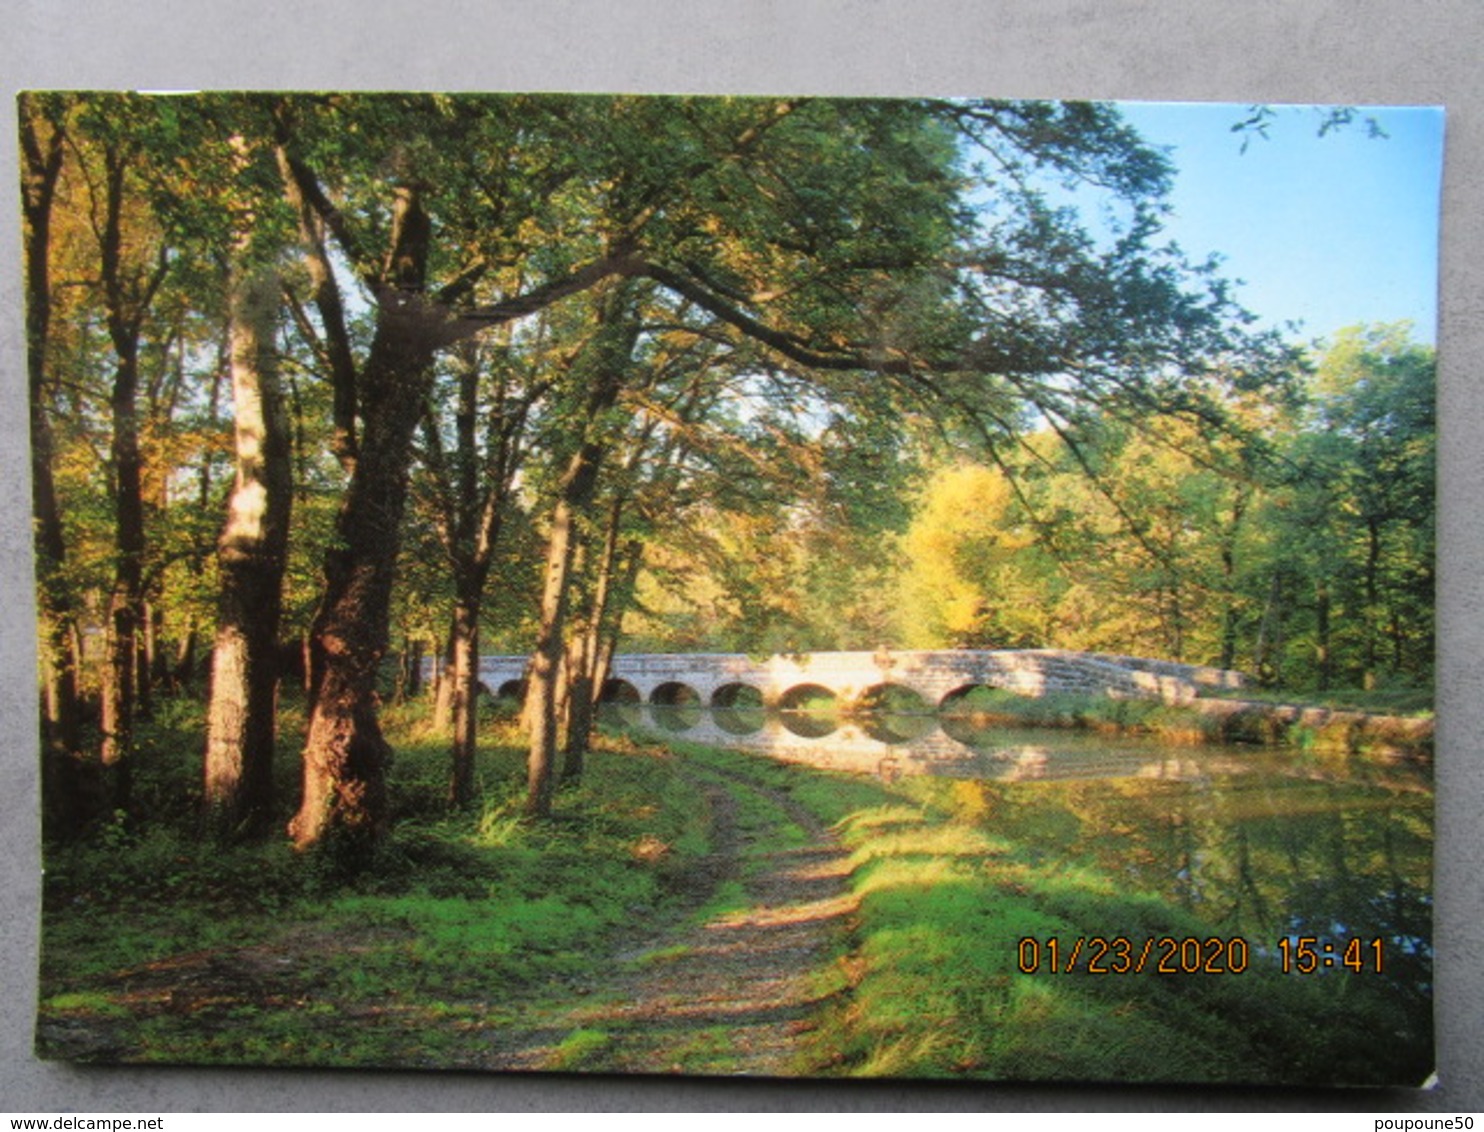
327, 300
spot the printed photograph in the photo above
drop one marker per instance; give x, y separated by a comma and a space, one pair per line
793, 587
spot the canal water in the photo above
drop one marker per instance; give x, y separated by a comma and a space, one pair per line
1271, 844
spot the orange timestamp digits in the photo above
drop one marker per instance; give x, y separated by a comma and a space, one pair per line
1308, 955
1120, 955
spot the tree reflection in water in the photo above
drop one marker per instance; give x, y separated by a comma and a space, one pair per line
1261, 843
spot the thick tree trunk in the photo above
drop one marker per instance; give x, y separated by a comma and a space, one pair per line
344, 796
344, 753
251, 557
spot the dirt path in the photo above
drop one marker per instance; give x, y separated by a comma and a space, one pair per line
730, 995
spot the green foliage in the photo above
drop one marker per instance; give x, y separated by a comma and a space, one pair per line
421, 960
948, 888
459, 910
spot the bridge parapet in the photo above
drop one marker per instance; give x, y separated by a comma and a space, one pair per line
933, 675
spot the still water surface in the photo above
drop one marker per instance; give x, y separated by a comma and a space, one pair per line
1260, 842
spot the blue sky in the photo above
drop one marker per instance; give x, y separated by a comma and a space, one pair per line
1331, 230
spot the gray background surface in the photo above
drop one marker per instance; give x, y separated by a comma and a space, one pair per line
1336, 51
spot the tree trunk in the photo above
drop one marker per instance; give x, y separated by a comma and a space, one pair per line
159, 658
144, 658
1269, 634
463, 680
251, 557
578, 704
1230, 615
345, 754
541, 696
62, 800
128, 291
414, 653
120, 669
183, 671
470, 491
1325, 655
443, 686
611, 349
585, 659
1372, 617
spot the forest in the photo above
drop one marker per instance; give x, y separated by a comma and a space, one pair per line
323, 382
328, 389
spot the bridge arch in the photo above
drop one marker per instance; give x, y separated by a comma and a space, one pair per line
808, 696
619, 691
674, 693
957, 698
893, 697
676, 706
808, 710
737, 695
512, 690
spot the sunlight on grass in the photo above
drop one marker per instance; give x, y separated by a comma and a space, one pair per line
578, 1047
729, 898
898, 1057
91, 1002
461, 912
932, 984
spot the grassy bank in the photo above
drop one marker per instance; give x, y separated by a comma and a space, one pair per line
937, 987
159, 946
950, 878
1395, 722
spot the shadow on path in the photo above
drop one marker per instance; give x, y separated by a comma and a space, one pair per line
731, 995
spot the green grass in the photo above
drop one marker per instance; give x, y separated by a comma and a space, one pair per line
935, 988
929, 984
1185, 724
578, 1047
167, 948
1402, 701
272, 958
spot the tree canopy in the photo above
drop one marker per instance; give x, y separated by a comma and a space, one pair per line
710, 372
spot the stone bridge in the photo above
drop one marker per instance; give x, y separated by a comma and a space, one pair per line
724, 679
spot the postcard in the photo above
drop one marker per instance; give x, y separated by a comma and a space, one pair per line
780, 586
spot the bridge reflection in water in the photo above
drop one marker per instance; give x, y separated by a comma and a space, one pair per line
759, 704
889, 745
932, 678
